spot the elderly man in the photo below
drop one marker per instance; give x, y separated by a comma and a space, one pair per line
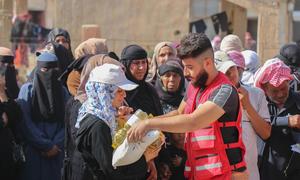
278, 161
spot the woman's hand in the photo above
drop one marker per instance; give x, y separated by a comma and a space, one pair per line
5, 119
52, 152
3, 96
152, 170
123, 111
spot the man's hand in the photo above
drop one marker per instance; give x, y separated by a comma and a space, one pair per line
294, 121
52, 152
240, 175
123, 111
152, 170
244, 97
137, 131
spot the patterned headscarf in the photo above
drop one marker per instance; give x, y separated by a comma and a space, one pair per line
274, 71
99, 103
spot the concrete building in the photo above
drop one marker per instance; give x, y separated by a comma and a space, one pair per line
149, 22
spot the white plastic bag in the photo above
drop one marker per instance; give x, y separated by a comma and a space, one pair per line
128, 153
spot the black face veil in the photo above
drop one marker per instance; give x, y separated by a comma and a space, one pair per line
47, 98
8, 70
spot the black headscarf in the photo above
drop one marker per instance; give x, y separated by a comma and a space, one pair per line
80, 62
172, 98
8, 70
290, 55
144, 97
47, 96
63, 55
60, 32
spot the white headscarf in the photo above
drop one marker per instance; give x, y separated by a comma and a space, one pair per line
252, 64
99, 103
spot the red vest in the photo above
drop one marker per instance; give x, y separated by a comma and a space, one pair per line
206, 155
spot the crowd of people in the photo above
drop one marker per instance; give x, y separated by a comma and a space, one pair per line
224, 113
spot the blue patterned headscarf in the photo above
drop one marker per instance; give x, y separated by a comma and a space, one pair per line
99, 103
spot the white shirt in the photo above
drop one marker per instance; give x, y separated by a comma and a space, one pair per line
251, 140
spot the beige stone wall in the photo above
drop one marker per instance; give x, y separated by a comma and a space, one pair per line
274, 24
124, 22
6, 7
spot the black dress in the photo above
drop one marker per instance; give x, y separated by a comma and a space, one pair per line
72, 108
92, 158
8, 133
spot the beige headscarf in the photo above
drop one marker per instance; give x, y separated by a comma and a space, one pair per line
231, 42
93, 62
154, 66
91, 46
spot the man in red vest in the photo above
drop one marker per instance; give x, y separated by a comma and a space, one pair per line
209, 114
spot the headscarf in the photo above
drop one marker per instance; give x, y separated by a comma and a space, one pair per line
99, 103
60, 32
83, 53
274, 71
237, 57
144, 96
216, 42
290, 55
63, 56
252, 64
73, 82
172, 98
231, 42
93, 62
91, 46
8, 70
154, 66
47, 95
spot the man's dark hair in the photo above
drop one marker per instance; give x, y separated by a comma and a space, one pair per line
193, 44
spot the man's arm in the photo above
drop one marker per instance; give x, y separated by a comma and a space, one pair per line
260, 125
176, 112
262, 128
200, 118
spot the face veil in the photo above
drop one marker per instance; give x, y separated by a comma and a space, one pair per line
47, 98
8, 70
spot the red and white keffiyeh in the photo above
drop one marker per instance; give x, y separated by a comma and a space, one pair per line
274, 71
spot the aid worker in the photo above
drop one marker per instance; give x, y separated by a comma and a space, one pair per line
210, 115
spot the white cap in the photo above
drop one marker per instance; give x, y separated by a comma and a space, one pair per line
112, 74
223, 61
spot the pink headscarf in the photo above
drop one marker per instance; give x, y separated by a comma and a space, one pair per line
274, 71
237, 57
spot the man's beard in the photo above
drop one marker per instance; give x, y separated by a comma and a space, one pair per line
201, 79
